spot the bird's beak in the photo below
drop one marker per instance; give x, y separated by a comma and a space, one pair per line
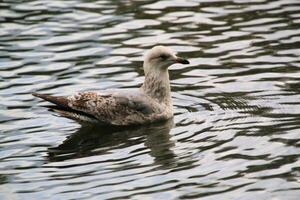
181, 60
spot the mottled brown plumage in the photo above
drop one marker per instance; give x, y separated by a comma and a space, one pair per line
150, 103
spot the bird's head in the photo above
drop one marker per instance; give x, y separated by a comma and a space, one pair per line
160, 58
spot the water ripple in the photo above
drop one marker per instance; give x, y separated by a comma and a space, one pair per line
235, 130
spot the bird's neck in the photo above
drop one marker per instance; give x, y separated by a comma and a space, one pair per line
157, 86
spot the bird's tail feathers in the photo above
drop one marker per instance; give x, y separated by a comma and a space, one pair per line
57, 100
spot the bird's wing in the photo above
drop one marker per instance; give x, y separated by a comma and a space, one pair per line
116, 108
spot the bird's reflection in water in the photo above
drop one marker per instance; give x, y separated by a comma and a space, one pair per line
91, 140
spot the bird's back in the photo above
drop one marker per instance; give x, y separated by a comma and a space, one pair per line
112, 107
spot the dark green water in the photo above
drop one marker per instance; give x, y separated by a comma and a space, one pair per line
236, 130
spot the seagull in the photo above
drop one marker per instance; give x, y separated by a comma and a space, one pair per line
124, 107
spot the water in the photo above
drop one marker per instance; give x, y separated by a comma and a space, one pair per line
236, 130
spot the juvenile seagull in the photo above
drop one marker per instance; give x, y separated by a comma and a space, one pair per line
121, 107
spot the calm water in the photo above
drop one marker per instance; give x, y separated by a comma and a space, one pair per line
236, 130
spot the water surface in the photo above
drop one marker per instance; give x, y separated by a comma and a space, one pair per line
236, 130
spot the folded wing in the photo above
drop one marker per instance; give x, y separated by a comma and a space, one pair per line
114, 108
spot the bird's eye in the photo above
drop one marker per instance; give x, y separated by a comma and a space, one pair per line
163, 56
